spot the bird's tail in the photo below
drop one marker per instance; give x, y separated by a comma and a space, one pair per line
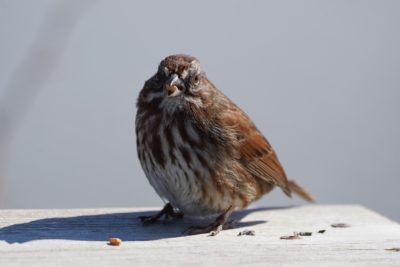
297, 189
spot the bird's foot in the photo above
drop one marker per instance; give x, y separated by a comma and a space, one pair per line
220, 223
167, 212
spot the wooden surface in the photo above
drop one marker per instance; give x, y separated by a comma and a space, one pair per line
78, 237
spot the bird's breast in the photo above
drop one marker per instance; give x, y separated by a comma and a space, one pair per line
189, 166
178, 161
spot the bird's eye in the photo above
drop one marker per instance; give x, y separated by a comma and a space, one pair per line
160, 75
195, 80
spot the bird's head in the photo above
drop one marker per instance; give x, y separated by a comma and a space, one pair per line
180, 75
179, 84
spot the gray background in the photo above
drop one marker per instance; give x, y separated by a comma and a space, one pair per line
319, 78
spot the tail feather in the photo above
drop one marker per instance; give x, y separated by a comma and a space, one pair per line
295, 188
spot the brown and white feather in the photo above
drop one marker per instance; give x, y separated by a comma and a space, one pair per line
199, 150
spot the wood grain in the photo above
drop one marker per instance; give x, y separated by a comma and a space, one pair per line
79, 237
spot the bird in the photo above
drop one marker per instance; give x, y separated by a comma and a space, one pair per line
201, 153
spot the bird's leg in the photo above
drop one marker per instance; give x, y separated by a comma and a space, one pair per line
221, 222
167, 211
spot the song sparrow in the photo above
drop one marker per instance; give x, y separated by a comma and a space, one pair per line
201, 153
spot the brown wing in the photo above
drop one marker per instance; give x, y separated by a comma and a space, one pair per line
255, 153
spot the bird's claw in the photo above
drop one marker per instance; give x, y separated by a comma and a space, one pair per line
212, 229
166, 213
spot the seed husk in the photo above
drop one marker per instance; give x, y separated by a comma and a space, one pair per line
291, 237
340, 225
247, 232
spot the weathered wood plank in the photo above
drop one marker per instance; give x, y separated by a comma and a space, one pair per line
78, 237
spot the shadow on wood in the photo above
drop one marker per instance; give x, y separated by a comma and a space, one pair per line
101, 227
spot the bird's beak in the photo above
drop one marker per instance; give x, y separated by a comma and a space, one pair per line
172, 85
